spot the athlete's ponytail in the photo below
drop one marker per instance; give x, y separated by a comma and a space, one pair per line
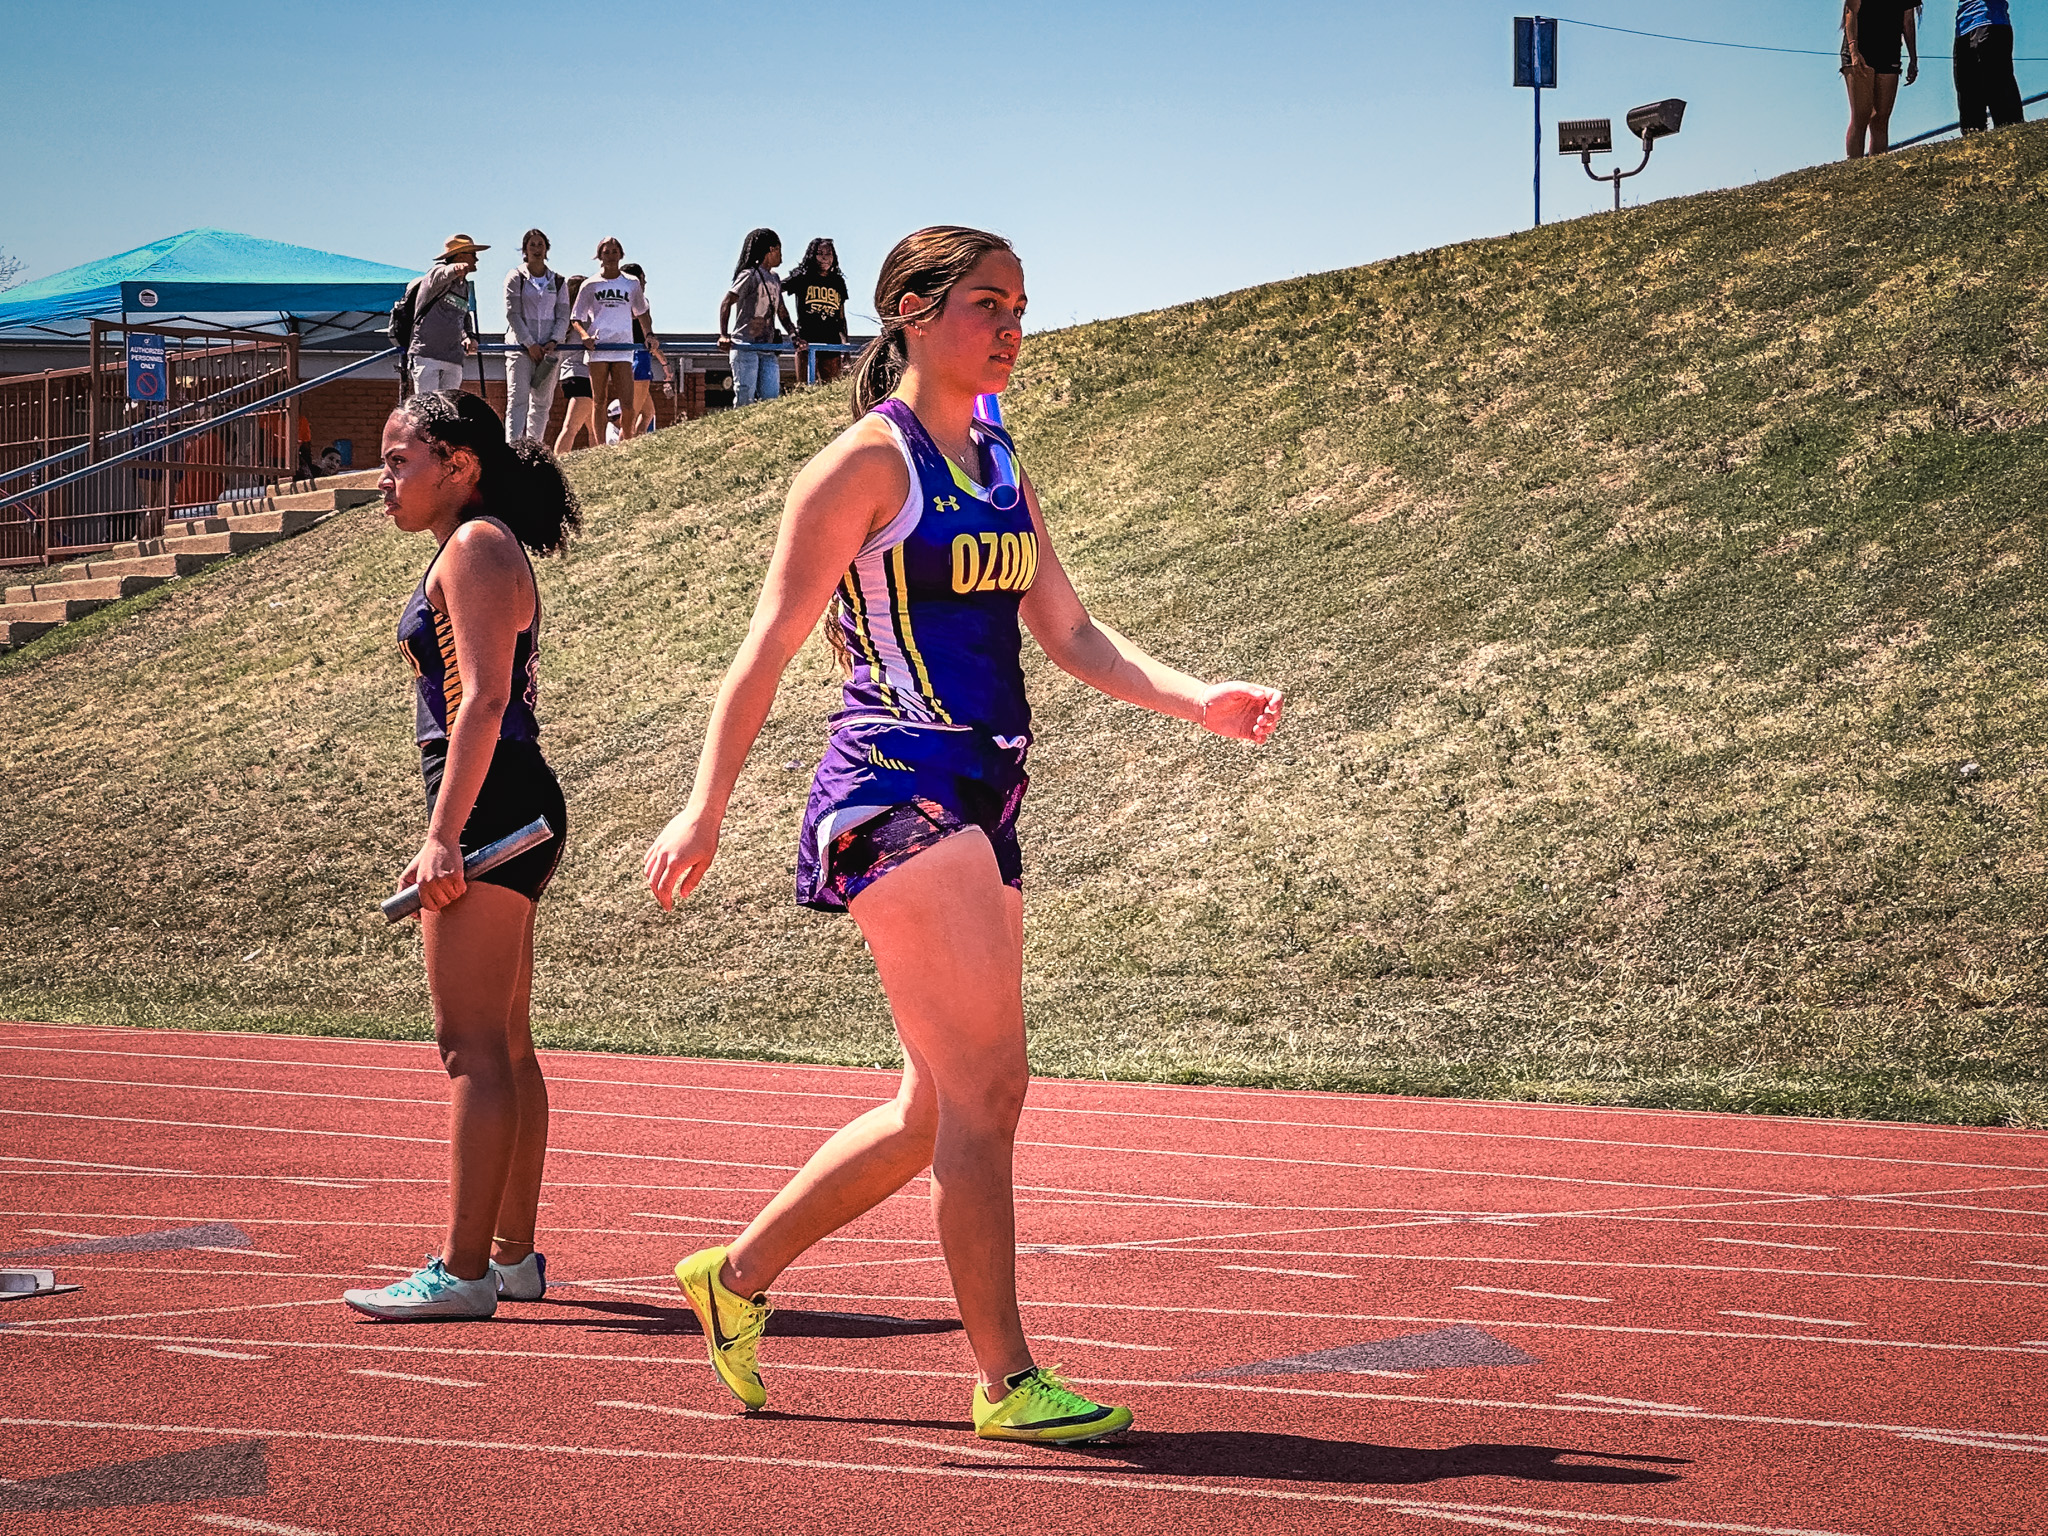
521, 484
926, 264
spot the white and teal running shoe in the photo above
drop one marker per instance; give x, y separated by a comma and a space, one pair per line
525, 1281
430, 1294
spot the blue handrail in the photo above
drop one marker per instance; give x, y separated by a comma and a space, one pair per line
268, 402
1935, 133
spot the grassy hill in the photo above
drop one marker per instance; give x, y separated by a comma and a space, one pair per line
1659, 598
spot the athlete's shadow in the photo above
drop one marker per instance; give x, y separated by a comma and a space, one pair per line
642, 1318
1302, 1458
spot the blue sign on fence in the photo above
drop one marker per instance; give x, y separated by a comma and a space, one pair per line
149, 377
1536, 52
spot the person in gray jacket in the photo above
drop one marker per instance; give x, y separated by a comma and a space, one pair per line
440, 318
536, 322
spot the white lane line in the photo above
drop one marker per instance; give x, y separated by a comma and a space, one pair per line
1486, 1520
242, 1523
1627, 1402
291, 1130
1757, 1242
1332, 1394
218, 1354
1782, 1317
2008, 1264
125, 1317
929, 1258
981, 1452
241, 1253
95, 1237
1467, 1258
432, 1381
1313, 1274
1982, 1445
1500, 1290
72, 1162
1346, 1127
1061, 1338
679, 1413
991, 1474
1052, 1146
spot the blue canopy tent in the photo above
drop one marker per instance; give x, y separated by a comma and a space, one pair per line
209, 276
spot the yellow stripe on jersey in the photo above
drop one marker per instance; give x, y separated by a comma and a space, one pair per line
867, 644
899, 596
451, 670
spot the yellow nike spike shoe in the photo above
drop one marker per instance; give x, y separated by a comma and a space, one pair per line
1041, 1408
732, 1324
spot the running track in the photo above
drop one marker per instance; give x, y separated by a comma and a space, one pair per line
1546, 1319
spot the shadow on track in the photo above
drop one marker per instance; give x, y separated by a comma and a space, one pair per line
656, 1322
1304, 1459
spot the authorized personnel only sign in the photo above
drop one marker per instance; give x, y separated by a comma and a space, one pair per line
149, 378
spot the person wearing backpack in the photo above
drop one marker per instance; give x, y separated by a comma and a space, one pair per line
536, 322
433, 326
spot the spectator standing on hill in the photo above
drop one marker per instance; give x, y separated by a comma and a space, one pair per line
602, 317
817, 289
536, 322
440, 318
650, 364
1983, 65
1873, 34
578, 411
756, 298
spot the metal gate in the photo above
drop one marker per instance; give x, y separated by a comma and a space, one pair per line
75, 417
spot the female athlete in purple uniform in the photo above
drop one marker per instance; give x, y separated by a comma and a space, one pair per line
911, 824
471, 631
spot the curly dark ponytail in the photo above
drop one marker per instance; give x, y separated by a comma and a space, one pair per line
521, 484
926, 264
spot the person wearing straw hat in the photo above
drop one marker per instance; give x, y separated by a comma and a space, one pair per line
440, 318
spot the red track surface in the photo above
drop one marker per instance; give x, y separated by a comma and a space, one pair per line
1736, 1325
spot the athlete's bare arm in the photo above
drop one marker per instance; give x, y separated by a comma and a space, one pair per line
1106, 661
481, 583
854, 487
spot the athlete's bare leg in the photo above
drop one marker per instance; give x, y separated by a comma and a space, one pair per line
519, 1207
580, 413
1883, 97
948, 940
1862, 86
478, 953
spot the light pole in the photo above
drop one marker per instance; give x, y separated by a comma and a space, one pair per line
1590, 136
1536, 70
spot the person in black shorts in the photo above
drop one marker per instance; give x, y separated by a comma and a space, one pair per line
471, 631
579, 410
1874, 34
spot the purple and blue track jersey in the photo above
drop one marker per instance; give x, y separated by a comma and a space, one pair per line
426, 636
928, 609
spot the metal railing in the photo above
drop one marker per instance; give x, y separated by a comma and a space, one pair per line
1935, 133
130, 496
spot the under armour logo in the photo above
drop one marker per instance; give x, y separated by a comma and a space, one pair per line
946, 503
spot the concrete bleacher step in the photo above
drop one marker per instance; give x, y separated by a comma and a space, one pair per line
53, 611
102, 589
329, 498
187, 545
15, 632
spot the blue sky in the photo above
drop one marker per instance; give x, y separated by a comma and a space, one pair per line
1139, 154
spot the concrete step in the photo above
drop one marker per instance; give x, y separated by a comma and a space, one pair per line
105, 589
228, 541
332, 499
120, 564
15, 632
284, 522
353, 480
61, 611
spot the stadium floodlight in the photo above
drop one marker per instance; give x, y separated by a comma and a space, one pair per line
1658, 120
1586, 136
1592, 136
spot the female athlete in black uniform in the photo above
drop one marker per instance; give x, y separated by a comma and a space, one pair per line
471, 631
912, 818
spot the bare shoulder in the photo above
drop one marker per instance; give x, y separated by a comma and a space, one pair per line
863, 462
483, 554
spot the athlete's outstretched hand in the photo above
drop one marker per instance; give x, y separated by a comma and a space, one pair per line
680, 856
1245, 711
